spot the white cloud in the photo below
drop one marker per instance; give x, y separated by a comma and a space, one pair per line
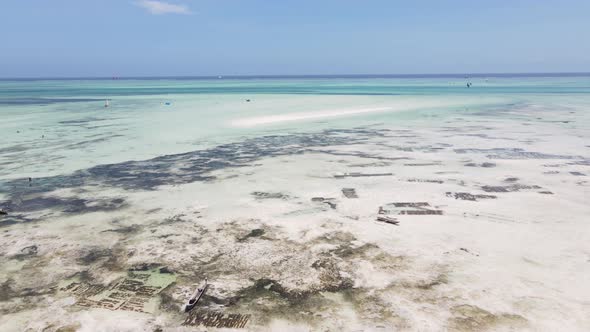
161, 7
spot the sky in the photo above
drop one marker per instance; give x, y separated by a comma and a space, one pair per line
105, 38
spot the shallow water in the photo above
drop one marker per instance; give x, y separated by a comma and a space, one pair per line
487, 186
51, 127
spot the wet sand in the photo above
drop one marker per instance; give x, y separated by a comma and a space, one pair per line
490, 233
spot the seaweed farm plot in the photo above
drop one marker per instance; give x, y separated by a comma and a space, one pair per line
137, 292
508, 189
216, 319
470, 197
358, 175
409, 208
425, 181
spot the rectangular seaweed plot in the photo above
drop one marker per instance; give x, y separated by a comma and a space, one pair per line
508, 189
215, 319
409, 208
469, 197
358, 175
137, 292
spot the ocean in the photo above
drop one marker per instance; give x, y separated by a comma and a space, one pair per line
56, 126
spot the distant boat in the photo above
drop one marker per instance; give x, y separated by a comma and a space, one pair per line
106, 103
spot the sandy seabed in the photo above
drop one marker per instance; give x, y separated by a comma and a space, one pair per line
476, 223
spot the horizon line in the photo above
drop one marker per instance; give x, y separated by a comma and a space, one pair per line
270, 76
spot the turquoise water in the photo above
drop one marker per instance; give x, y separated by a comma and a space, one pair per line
94, 88
51, 127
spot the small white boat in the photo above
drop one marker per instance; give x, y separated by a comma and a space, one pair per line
194, 299
107, 103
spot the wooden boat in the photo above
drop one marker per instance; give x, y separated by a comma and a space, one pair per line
194, 299
388, 220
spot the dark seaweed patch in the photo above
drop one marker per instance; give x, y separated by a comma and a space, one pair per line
15, 219
581, 162
82, 121
358, 154
331, 202
358, 175
349, 193
253, 233
82, 144
93, 255
506, 189
66, 205
484, 165
26, 252
423, 164
144, 267
515, 153
191, 166
425, 181
472, 318
267, 195
43, 101
408, 208
272, 288
123, 230
8, 292
14, 148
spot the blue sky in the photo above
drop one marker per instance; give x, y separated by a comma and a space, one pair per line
61, 38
